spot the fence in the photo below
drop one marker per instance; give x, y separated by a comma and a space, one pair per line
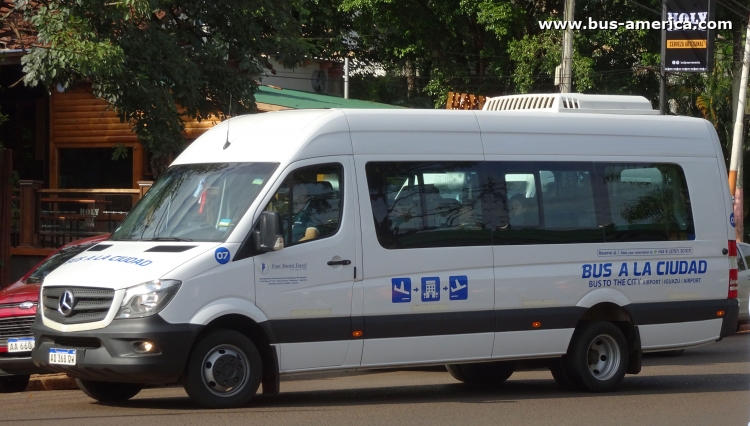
464, 101
50, 218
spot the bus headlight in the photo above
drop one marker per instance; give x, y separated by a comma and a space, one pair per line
148, 298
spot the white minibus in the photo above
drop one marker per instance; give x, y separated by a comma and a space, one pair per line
578, 231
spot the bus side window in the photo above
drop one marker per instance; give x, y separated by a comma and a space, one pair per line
309, 202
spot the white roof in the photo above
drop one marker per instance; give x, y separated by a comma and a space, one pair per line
287, 136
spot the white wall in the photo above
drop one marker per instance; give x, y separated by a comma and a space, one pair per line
300, 77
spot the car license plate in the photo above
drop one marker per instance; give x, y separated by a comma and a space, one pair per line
62, 356
21, 344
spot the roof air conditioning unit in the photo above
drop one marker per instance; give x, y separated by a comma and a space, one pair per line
572, 102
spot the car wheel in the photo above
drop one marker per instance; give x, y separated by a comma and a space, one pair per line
10, 384
598, 356
483, 373
109, 391
224, 370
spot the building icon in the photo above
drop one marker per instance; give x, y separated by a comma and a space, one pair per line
430, 289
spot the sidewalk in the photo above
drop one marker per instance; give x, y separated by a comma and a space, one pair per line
42, 382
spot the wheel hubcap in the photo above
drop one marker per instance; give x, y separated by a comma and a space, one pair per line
225, 370
603, 357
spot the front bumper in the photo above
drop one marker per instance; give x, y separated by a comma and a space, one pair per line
108, 354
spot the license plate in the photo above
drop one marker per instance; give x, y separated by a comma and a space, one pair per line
21, 344
62, 356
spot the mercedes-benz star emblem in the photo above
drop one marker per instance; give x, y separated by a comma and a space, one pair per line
66, 303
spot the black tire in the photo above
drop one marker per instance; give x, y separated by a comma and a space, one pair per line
109, 391
224, 370
456, 372
9, 384
483, 373
598, 356
563, 376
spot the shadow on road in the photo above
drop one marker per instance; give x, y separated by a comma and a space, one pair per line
733, 349
510, 392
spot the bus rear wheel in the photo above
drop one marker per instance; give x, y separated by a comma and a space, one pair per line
482, 373
597, 356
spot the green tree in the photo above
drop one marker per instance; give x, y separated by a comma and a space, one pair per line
497, 47
158, 61
611, 61
437, 45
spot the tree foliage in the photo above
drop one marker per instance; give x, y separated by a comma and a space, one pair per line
496, 47
159, 61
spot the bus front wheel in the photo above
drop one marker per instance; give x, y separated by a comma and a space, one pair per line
224, 370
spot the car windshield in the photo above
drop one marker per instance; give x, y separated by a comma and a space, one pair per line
195, 202
54, 261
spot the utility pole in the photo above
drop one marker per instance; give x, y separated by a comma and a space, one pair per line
662, 64
735, 162
566, 67
346, 77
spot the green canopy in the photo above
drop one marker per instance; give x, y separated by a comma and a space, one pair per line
296, 99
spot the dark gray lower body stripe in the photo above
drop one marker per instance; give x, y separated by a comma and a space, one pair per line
549, 318
310, 330
683, 311
470, 322
432, 324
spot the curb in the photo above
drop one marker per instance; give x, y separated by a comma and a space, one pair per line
42, 382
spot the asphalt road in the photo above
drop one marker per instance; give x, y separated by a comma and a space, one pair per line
709, 385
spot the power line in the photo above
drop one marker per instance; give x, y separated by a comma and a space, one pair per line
644, 7
741, 5
729, 8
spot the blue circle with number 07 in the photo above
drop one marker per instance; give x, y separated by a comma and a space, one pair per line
731, 219
222, 255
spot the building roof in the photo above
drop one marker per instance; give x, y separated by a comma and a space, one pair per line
13, 25
269, 99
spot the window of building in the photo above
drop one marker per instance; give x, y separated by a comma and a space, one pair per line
94, 168
425, 204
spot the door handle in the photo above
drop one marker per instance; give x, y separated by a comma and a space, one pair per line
339, 262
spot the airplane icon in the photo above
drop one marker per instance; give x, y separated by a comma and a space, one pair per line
400, 288
461, 289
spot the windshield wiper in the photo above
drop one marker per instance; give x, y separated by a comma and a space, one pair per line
166, 239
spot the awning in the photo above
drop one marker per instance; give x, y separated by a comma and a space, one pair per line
269, 99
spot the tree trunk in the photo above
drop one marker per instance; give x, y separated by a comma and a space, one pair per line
159, 165
410, 86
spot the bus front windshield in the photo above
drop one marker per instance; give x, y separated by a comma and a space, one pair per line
195, 202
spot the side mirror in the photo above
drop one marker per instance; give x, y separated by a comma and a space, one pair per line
268, 236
